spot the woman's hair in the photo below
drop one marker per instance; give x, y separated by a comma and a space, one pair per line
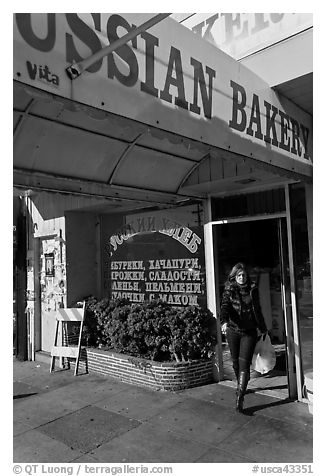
236, 268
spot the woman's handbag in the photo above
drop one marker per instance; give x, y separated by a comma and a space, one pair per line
264, 357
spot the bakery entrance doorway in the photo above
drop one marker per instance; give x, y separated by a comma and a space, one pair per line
262, 245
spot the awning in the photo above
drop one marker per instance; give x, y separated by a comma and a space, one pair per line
135, 146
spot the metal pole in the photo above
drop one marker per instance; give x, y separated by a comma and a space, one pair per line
212, 292
76, 69
289, 344
295, 322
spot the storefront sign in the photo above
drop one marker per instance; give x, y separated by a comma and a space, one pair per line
161, 224
157, 257
175, 281
241, 34
166, 77
262, 119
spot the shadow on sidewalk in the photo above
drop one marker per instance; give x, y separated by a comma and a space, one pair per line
24, 395
250, 411
258, 389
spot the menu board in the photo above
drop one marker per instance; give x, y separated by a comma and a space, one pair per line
166, 264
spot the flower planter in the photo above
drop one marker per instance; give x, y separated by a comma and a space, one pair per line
148, 373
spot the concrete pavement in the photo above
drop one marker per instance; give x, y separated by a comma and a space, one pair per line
59, 418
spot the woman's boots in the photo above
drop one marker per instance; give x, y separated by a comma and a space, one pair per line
236, 371
241, 390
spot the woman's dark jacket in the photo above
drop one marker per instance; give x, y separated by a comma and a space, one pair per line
231, 308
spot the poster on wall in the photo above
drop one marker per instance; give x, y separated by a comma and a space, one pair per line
49, 264
152, 258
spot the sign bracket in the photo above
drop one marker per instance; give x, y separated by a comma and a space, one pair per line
76, 69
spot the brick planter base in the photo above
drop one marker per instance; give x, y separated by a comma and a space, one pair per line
157, 375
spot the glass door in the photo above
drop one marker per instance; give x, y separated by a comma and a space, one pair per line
261, 244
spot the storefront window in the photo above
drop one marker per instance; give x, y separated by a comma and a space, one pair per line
14, 328
302, 267
156, 255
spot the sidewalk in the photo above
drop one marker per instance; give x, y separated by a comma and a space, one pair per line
59, 418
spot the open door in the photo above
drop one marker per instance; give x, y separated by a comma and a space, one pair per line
262, 245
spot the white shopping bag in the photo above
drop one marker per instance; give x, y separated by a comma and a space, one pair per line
264, 357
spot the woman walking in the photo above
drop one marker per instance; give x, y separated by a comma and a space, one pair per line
241, 316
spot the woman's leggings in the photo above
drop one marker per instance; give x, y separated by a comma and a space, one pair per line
242, 346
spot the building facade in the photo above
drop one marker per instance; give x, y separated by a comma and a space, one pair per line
158, 167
